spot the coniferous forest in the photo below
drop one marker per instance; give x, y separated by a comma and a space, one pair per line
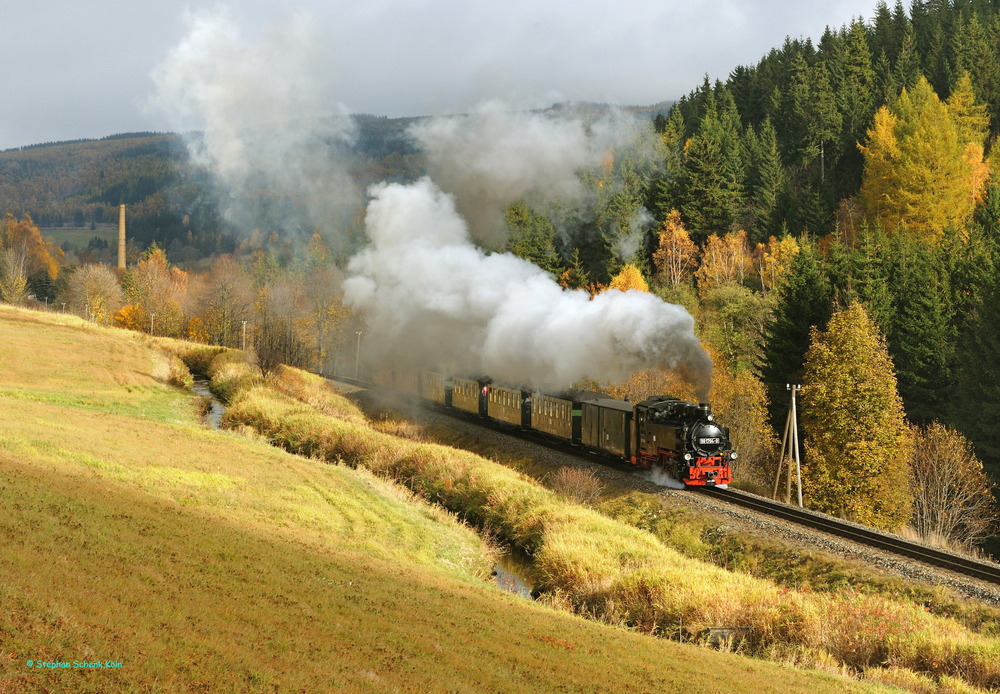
830, 216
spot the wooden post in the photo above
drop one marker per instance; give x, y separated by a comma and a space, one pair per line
795, 445
790, 452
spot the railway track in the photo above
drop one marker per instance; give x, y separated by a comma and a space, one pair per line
964, 565
967, 566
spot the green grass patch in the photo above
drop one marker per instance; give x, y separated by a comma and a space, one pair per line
79, 237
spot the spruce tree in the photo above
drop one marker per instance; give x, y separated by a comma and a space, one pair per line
714, 178
805, 301
920, 335
977, 412
854, 84
975, 405
765, 181
532, 237
907, 70
974, 50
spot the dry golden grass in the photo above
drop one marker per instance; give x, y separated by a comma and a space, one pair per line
623, 575
209, 562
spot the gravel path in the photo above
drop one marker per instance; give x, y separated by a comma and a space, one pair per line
726, 515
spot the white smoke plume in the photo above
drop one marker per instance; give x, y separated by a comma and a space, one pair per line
497, 155
266, 117
275, 136
433, 298
628, 245
659, 476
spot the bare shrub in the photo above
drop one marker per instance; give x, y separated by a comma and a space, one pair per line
952, 494
94, 290
581, 486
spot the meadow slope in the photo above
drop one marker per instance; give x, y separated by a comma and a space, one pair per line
201, 560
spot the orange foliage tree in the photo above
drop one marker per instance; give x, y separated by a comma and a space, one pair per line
41, 256
677, 255
131, 317
155, 293
739, 400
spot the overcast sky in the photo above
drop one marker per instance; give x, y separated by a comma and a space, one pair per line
77, 69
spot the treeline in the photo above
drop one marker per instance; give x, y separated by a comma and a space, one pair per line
832, 195
81, 183
281, 313
871, 147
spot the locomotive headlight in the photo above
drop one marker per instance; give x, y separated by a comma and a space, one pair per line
710, 417
688, 456
733, 456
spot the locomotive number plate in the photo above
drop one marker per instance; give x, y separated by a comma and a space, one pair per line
709, 440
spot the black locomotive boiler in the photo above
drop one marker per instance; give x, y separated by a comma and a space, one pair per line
684, 438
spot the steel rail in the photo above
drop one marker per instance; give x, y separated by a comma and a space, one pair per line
967, 566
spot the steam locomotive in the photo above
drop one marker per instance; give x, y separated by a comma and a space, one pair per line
681, 437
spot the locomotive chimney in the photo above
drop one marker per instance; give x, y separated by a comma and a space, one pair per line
121, 237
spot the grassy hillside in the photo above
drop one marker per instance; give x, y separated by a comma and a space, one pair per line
205, 561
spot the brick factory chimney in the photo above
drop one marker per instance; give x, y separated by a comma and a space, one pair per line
121, 238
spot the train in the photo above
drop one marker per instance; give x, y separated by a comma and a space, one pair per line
683, 438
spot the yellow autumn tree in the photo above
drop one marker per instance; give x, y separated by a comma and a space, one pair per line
93, 291
630, 277
972, 121
739, 401
677, 255
155, 293
919, 174
196, 330
723, 260
772, 259
132, 317
643, 384
856, 438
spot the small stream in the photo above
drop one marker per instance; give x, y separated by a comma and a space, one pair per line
213, 417
511, 572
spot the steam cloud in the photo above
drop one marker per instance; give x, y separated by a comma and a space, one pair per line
494, 156
271, 128
424, 287
268, 120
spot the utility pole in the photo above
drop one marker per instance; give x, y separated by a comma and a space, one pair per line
790, 451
